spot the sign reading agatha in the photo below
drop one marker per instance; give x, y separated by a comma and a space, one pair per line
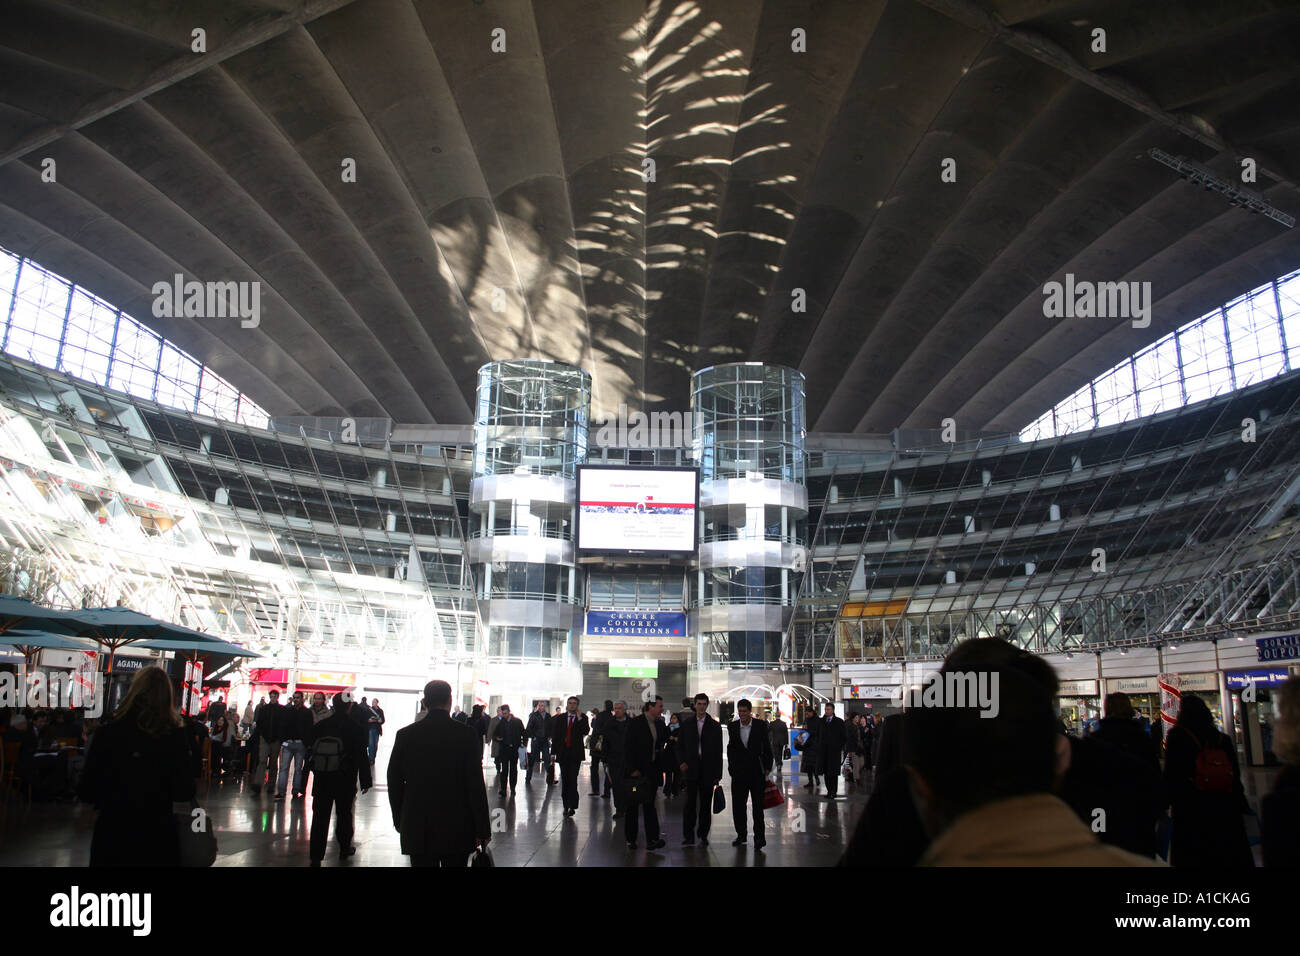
637, 623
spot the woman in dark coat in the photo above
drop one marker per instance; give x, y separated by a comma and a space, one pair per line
1279, 812
137, 767
1208, 828
808, 752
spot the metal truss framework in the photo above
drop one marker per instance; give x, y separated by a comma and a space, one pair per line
1175, 527
75, 530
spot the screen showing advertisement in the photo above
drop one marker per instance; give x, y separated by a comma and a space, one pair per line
640, 510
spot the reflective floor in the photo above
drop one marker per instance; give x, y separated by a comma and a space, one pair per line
530, 829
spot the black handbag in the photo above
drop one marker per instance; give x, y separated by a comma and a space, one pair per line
719, 799
194, 836
481, 857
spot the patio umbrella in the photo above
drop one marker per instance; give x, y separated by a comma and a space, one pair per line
18, 612
29, 643
115, 627
201, 644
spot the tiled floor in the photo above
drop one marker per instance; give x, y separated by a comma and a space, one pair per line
532, 830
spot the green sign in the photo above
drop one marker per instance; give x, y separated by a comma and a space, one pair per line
633, 668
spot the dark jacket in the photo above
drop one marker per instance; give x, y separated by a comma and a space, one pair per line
380, 719
297, 723
270, 721
356, 759
889, 746
536, 725
598, 725
510, 735
641, 750
702, 756
559, 728
133, 779
615, 739
668, 759
1208, 828
779, 736
749, 765
436, 789
1122, 784
1130, 736
830, 744
889, 833
852, 738
809, 753
1279, 820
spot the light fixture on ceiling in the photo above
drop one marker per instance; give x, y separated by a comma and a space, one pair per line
1238, 195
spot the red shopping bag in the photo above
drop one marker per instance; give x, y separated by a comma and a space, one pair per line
772, 795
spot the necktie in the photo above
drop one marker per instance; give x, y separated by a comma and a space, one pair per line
568, 733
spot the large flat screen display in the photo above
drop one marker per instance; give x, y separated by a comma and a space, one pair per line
637, 510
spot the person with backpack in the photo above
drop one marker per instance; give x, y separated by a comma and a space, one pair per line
337, 748
1206, 795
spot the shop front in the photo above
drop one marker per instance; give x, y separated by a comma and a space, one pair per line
872, 700
1204, 685
1143, 693
1254, 706
1079, 706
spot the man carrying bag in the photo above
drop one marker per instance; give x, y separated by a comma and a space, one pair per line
642, 744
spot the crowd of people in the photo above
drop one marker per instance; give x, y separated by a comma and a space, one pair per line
947, 785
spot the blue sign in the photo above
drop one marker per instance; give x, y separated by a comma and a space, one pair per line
1273, 677
1278, 648
636, 623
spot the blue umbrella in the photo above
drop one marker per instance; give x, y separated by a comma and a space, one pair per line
29, 643
18, 612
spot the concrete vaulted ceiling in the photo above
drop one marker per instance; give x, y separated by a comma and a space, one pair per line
501, 207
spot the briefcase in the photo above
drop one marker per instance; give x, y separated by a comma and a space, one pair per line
639, 791
719, 799
481, 857
772, 795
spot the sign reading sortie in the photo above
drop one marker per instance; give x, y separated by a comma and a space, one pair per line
636, 623
1280, 648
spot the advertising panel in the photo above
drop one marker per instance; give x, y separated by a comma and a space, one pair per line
637, 510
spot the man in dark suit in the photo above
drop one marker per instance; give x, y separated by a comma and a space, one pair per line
598, 731
830, 742
509, 737
567, 733
749, 757
699, 755
536, 731
435, 786
642, 744
337, 754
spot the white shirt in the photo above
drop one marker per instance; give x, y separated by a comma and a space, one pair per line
744, 732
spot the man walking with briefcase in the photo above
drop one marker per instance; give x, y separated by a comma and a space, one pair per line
642, 744
699, 755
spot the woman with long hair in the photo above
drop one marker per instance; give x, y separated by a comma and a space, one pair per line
138, 767
1206, 797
